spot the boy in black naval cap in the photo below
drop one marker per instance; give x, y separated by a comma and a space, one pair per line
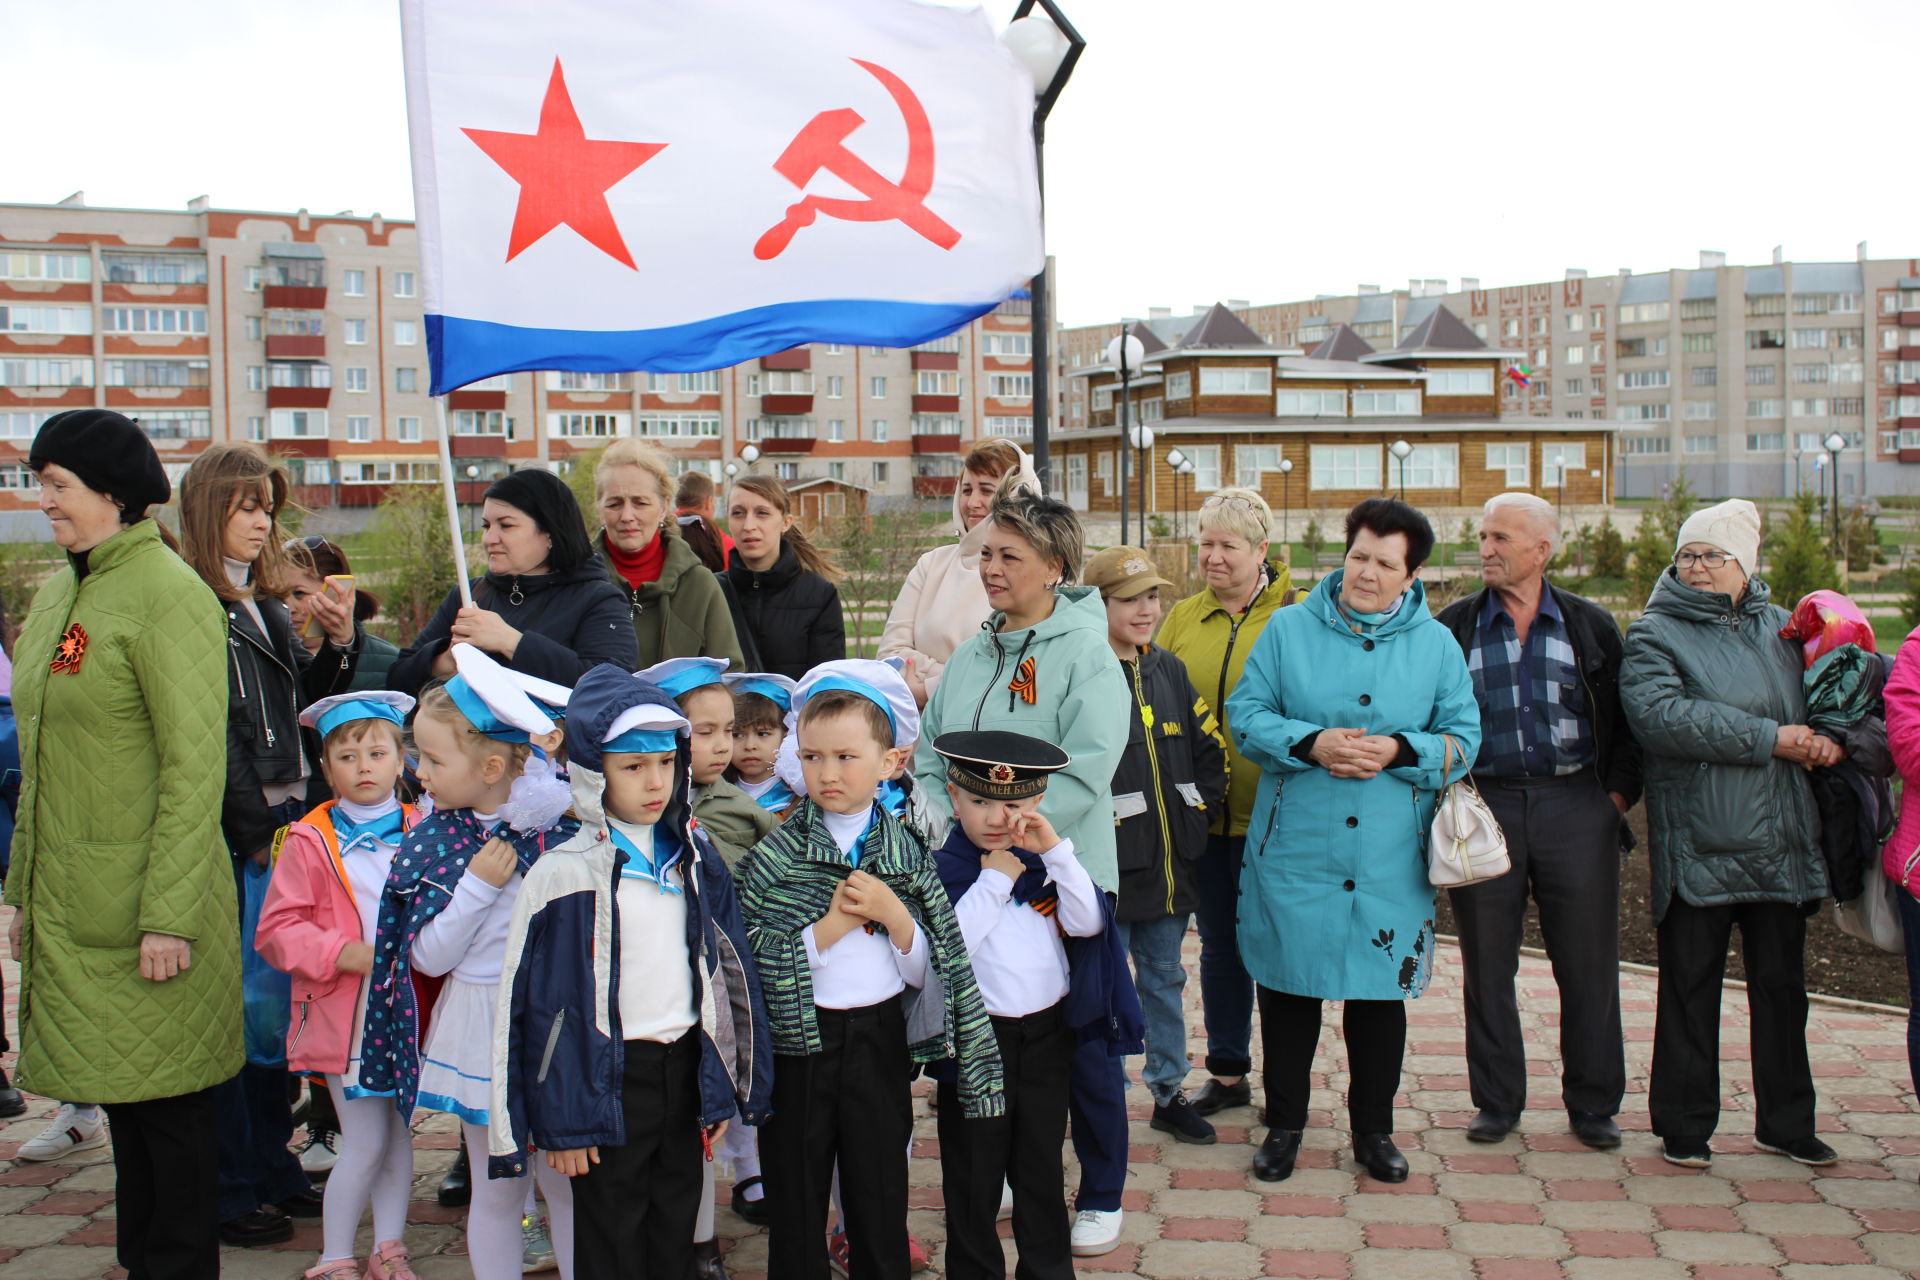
1016, 889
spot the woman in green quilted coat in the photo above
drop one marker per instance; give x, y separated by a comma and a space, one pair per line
125, 930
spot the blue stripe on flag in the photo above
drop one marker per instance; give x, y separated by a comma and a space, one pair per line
464, 351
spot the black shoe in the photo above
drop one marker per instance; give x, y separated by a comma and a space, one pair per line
754, 1211
1180, 1119
262, 1226
1490, 1126
11, 1103
1687, 1152
456, 1188
1273, 1162
1598, 1132
1214, 1096
1807, 1150
706, 1261
304, 1204
1379, 1157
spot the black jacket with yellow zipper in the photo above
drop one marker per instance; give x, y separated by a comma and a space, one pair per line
1171, 781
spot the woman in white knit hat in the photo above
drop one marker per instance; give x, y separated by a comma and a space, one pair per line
1713, 694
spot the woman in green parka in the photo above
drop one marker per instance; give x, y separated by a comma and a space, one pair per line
128, 944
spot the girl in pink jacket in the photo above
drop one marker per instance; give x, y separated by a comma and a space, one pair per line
318, 925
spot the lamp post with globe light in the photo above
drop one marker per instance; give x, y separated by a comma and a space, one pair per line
1835, 442
1400, 449
1142, 440
1125, 353
749, 454
1047, 46
1286, 543
1186, 470
1174, 459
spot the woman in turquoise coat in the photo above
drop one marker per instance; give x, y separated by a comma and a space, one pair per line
1346, 705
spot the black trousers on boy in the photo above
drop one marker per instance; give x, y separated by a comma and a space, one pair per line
1022, 1148
1684, 1092
166, 1164
849, 1101
634, 1212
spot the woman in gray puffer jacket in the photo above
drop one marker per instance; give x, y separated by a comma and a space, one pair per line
1714, 697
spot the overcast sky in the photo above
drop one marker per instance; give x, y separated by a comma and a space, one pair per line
1260, 149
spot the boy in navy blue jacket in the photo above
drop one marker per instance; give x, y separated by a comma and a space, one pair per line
631, 1027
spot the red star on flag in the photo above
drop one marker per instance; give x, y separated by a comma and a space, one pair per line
564, 175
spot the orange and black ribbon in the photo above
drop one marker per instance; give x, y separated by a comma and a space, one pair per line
72, 648
1023, 683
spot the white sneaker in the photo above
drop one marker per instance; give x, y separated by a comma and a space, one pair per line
317, 1151
1096, 1231
536, 1246
68, 1132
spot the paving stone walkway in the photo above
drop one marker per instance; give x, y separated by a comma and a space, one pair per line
1538, 1206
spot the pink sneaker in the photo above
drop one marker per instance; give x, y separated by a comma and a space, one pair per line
338, 1269
390, 1261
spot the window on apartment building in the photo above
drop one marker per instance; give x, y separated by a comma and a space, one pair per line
1007, 344
407, 429
882, 472
1642, 413
1767, 304
1701, 444
1376, 404
1180, 385
836, 471
1850, 371
257, 427
1762, 375
253, 327
1538, 324
1460, 382
1509, 328
1103, 471
1702, 410
1433, 466
406, 380
1010, 386
1556, 459
789, 382
836, 386
1206, 466
671, 426
1480, 330
1766, 441
479, 422
45, 266
574, 380
1809, 339
403, 284
1812, 408
1344, 466
1803, 373
1766, 408
1700, 309
836, 428
705, 384
877, 388
1576, 354
936, 382
158, 373
406, 333
876, 351
1102, 399
1235, 382
1576, 386
177, 424
359, 429
355, 378
1646, 444
1148, 410
588, 425
354, 332
877, 431
252, 280
1311, 404
1511, 461
1643, 312
1706, 375
1847, 406
1766, 339
1012, 428
1575, 322
1596, 319
297, 424
353, 283
139, 320
1640, 379
1251, 461
1699, 343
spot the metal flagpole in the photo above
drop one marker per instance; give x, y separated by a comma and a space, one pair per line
453, 504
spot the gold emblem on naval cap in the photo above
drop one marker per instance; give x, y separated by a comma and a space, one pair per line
1000, 773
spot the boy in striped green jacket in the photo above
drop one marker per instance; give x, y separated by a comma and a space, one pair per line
864, 973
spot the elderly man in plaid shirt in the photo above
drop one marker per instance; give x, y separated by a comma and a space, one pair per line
1559, 768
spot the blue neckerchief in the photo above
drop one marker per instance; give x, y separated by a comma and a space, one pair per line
893, 798
638, 866
776, 797
385, 829
957, 863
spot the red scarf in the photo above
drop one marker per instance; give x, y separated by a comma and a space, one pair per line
642, 566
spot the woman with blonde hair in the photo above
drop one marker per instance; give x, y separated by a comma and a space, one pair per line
230, 503
784, 583
677, 606
942, 603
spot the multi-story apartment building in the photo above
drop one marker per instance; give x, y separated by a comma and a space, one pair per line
1320, 430
304, 333
1736, 374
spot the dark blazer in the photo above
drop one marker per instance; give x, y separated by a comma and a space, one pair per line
1597, 647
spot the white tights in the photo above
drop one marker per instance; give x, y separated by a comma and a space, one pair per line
376, 1163
493, 1215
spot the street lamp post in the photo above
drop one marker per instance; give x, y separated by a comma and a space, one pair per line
1048, 47
1125, 354
1186, 470
749, 454
1286, 543
1835, 442
1142, 438
1400, 449
1174, 459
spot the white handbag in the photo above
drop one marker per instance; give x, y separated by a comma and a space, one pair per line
1465, 844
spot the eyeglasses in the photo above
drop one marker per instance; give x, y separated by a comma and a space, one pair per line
1712, 559
1237, 503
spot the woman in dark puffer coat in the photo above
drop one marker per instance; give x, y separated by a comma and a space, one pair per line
782, 581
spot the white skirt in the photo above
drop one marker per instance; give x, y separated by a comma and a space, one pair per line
456, 1063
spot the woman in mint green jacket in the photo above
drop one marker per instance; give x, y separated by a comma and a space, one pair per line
1041, 666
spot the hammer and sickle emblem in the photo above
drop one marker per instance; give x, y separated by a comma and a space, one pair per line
822, 145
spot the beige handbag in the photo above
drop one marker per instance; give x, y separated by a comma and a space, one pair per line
1465, 844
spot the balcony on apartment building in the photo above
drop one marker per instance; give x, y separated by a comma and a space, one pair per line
792, 360
295, 277
299, 385
936, 443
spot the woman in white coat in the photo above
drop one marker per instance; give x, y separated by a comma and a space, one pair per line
942, 603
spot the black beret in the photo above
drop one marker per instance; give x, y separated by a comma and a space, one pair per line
110, 454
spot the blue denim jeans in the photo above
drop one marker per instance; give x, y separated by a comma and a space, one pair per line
1160, 978
1910, 921
1226, 992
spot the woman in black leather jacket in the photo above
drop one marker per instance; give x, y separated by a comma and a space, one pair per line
545, 606
229, 500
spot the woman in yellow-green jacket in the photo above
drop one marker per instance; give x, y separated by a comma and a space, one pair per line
1212, 632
